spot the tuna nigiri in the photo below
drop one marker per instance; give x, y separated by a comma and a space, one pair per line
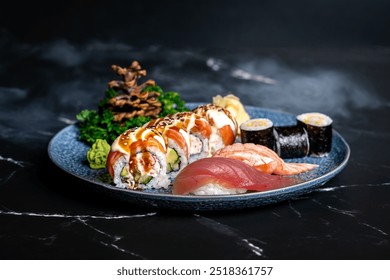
217, 176
263, 159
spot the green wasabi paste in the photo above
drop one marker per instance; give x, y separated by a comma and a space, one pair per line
97, 155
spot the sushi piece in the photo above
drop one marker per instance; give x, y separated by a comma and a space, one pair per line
258, 131
291, 141
195, 129
177, 154
224, 125
222, 176
286, 141
262, 159
319, 129
178, 146
137, 160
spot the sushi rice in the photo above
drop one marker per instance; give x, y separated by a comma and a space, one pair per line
215, 189
126, 178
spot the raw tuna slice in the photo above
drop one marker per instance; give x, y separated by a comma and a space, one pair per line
218, 175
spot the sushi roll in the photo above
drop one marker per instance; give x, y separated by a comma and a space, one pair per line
137, 160
178, 146
258, 131
291, 141
319, 129
194, 128
223, 124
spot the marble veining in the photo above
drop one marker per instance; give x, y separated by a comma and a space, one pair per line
299, 214
112, 238
335, 188
351, 213
225, 230
101, 236
13, 161
5, 179
376, 229
66, 216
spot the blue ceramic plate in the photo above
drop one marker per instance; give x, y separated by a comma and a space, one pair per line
67, 152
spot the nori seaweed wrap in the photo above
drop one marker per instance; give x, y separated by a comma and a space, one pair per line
319, 129
258, 131
291, 141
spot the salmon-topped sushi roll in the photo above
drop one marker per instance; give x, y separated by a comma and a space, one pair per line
137, 159
198, 129
224, 126
178, 145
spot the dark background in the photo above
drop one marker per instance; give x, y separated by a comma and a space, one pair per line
329, 56
202, 23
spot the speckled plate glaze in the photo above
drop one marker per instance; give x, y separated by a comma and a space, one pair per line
68, 153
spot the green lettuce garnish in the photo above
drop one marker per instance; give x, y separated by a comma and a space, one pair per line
100, 124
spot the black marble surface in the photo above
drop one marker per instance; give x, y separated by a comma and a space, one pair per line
272, 55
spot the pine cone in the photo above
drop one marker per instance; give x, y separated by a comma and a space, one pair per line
132, 101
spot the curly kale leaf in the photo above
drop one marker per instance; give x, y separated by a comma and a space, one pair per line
100, 124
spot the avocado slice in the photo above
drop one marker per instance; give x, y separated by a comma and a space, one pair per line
124, 172
173, 160
145, 179
142, 179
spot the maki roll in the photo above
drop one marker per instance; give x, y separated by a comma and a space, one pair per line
224, 126
291, 141
319, 129
258, 131
137, 160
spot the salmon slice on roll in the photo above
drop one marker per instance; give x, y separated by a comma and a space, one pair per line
137, 159
200, 132
194, 128
224, 126
178, 143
